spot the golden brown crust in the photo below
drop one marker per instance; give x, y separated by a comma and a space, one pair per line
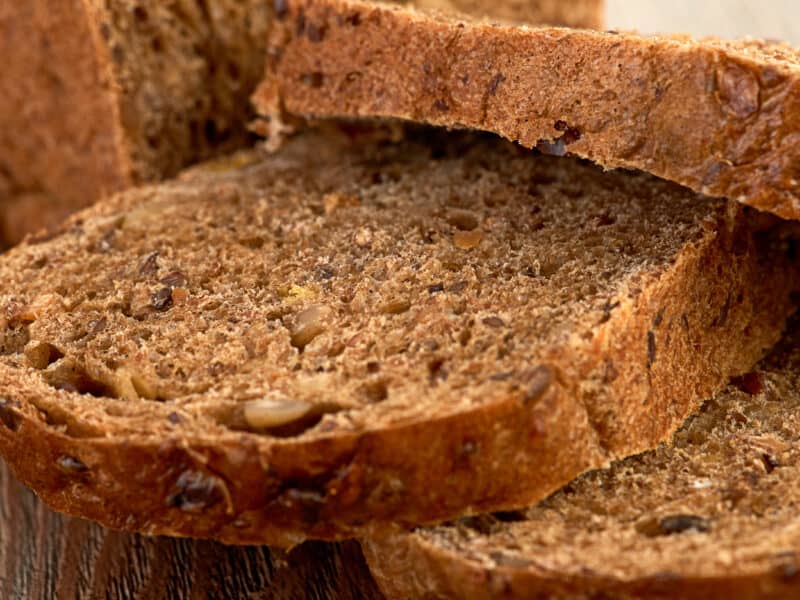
134, 342
719, 117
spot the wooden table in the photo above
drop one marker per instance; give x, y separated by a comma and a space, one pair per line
45, 555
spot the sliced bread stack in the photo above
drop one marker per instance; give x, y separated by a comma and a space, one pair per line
379, 328
99, 95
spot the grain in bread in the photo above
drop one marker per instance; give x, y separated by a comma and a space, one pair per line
713, 514
354, 334
721, 117
98, 95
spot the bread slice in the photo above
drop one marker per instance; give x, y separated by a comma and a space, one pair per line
97, 95
717, 116
714, 514
346, 336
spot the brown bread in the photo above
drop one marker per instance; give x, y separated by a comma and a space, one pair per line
719, 117
346, 336
98, 95
714, 514
112, 93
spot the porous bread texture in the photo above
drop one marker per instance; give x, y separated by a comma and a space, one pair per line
352, 336
98, 95
720, 117
714, 514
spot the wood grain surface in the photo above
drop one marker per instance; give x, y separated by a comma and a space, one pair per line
45, 555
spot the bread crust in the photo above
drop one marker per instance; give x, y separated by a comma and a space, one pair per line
405, 567
132, 463
282, 493
719, 117
572, 13
57, 117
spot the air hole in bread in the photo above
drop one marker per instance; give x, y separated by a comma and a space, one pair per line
510, 516
375, 391
41, 355
8, 416
67, 376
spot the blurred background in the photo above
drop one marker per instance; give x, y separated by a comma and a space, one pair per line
776, 19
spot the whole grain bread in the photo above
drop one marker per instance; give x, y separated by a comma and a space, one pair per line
97, 95
714, 514
352, 334
721, 117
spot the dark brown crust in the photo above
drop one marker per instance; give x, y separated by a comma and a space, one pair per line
404, 567
38, 550
280, 493
721, 118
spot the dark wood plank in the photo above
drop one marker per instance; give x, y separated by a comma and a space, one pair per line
45, 555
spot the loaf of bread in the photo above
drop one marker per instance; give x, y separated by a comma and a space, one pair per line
111, 93
351, 335
97, 95
720, 117
711, 515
